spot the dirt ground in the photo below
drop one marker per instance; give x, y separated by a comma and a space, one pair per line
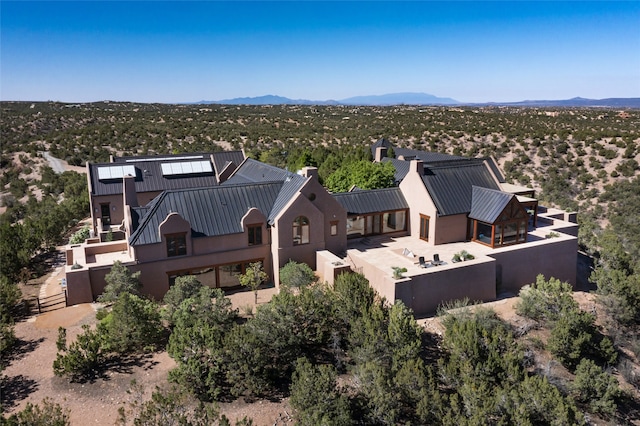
30, 375
30, 378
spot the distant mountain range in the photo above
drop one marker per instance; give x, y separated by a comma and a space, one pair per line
410, 98
389, 99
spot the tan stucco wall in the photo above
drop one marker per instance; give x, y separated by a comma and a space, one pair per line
519, 266
117, 215
419, 201
450, 229
473, 279
379, 280
329, 266
79, 287
320, 208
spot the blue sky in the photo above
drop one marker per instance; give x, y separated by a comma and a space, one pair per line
150, 51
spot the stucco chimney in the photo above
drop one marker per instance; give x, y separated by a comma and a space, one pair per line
417, 166
309, 171
129, 191
381, 152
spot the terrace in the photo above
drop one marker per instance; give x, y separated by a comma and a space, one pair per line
491, 273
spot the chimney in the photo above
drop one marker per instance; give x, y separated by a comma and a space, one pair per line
417, 166
310, 172
381, 152
129, 191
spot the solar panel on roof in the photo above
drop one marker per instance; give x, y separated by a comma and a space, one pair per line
186, 168
115, 172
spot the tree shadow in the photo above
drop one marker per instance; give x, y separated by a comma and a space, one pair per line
121, 364
15, 389
20, 349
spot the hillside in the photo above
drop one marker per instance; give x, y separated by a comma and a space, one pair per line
576, 158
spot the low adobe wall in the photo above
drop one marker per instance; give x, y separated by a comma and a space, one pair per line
329, 266
475, 280
555, 257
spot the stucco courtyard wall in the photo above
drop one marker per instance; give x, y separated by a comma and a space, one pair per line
475, 280
519, 266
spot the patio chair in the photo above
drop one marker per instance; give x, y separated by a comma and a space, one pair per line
436, 260
423, 263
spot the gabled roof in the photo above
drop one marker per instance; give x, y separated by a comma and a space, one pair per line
380, 143
402, 168
148, 178
222, 158
252, 171
450, 183
487, 204
425, 156
372, 201
210, 211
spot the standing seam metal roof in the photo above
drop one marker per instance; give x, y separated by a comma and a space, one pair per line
210, 211
450, 183
372, 201
487, 204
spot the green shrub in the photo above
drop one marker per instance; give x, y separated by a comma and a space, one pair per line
596, 388
315, 397
81, 359
545, 300
297, 275
80, 236
47, 414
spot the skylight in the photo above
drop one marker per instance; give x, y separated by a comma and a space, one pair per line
115, 172
186, 168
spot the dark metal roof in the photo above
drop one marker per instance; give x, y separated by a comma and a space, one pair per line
252, 171
162, 157
402, 168
487, 204
222, 158
450, 183
495, 169
425, 156
289, 188
380, 143
210, 211
149, 178
372, 201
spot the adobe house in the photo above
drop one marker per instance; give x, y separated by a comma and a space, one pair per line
212, 216
445, 205
258, 213
152, 175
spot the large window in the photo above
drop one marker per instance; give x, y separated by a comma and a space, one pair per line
509, 228
378, 223
255, 234
176, 244
301, 230
424, 227
221, 276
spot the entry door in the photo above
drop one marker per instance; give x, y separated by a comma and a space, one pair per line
105, 214
377, 224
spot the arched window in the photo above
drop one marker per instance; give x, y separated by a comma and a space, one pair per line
300, 230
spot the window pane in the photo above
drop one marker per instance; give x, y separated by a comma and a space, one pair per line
229, 275
355, 226
510, 233
484, 232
